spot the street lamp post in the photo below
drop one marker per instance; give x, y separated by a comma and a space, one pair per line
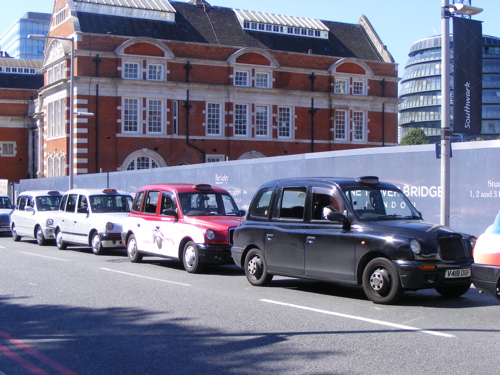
71, 101
446, 11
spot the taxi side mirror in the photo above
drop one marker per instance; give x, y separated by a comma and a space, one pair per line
241, 213
169, 212
29, 209
339, 217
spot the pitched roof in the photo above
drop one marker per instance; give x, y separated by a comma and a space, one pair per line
218, 25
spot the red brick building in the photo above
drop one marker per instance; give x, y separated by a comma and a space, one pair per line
173, 83
19, 84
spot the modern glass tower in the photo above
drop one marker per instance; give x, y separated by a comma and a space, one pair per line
14, 41
420, 89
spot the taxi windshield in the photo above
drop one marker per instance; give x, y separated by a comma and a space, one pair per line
371, 203
203, 204
110, 203
48, 203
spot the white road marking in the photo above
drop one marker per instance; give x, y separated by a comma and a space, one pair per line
44, 256
374, 321
146, 277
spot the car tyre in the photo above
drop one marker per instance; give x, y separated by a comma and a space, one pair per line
256, 268
453, 291
15, 236
61, 245
40, 238
191, 258
132, 252
381, 282
96, 244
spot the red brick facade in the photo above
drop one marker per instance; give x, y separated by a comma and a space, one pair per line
199, 81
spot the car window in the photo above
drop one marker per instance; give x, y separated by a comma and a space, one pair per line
167, 202
71, 203
82, 203
5, 202
230, 207
136, 206
292, 202
324, 203
21, 203
110, 203
380, 204
151, 202
261, 204
48, 203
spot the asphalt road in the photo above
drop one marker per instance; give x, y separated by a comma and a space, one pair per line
71, 312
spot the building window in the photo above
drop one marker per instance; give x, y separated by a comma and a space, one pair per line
56, 118
215, 158
262, 80
241, 78
284, 122
213, 119
175, 117
130, 115
358, 88
241, 120
340, 86
8, 149
261, 121
155, 72
131, 70
340, 126
142, 162
155, 116
358, 126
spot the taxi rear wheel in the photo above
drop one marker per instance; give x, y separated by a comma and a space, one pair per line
40, 238
453, 291
96, 244
132, 252
15, 236
256, 268
381, 281
191, 258
61, 245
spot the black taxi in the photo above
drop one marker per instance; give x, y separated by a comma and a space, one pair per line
357, 231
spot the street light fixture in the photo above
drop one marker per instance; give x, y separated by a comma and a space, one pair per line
446, 11
71, 100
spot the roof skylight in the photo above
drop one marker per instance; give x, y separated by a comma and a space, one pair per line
145, 9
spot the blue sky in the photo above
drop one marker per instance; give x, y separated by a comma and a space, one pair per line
399, 23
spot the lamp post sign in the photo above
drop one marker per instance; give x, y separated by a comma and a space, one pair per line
467, 77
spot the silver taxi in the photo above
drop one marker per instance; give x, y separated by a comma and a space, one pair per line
33, 216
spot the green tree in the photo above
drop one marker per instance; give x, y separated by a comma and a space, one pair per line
415, 136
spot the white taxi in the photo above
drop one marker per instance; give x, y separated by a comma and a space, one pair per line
33, 216
92, 217
190, 223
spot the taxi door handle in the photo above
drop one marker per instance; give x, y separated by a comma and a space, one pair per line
310, 239
138, 224
269, 237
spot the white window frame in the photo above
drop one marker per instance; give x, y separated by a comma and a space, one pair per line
241, 120
158, 74
6, 147
358, 126
261, 122
155, 116
56, 118
358, 87
215, 158
341, 86
126, 73
129, 119
259, 80
237, 78
285, 122
340, 125
213, 124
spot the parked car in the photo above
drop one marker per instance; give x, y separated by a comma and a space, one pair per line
358, 231
190, 223
5, 212
486, 267
34, 214
92, 217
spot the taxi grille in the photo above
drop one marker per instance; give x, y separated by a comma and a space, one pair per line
452, 249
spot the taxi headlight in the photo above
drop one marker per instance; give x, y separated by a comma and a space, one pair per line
472, 241
415, 246
109, 226
210, 235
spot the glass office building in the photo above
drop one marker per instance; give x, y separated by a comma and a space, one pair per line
420, 89
14, 41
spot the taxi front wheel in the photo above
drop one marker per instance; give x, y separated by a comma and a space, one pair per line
191, 258
61, 245
133, 254
381, 281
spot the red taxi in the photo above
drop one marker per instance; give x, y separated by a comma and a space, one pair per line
190, 223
